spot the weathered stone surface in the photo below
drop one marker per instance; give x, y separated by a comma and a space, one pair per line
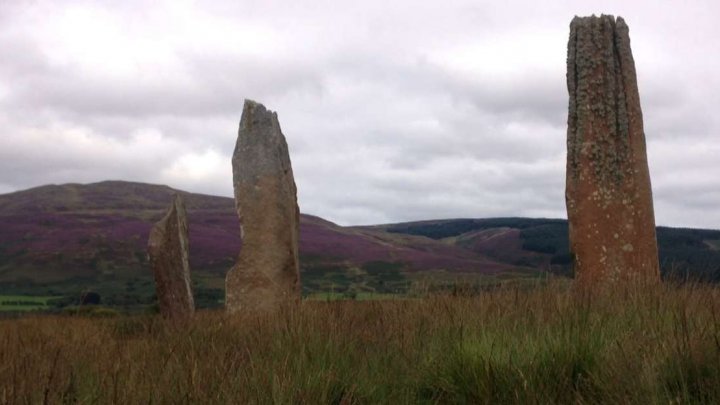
608, 192
168, 252
266, 275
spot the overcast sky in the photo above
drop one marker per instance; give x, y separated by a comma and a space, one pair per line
393, 110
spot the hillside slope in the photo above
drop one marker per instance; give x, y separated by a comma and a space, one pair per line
684, 253
65, 238
96, 234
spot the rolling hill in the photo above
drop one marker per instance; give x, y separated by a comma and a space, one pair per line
57, 239
62, 239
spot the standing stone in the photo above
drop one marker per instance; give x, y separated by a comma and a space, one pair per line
608, 193
267, 274
168, 252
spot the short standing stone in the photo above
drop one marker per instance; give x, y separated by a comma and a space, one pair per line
168, 252
266, 275
608, 192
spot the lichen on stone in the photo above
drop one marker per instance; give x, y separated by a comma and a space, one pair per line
606, 163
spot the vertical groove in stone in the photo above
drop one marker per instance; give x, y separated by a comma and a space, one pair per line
608, 191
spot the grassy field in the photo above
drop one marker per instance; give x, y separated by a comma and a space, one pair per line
549, 344
23, 302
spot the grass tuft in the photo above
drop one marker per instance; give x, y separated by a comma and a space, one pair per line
547, 344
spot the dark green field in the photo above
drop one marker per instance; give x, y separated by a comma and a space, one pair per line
24, 303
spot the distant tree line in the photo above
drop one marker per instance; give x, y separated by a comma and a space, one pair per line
685, 254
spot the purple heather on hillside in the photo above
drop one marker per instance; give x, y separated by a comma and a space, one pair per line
86, 225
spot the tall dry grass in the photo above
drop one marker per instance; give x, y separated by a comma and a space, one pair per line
550, 344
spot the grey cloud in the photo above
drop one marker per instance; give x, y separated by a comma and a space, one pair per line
221, 92
380, 129
533, 97
54, 163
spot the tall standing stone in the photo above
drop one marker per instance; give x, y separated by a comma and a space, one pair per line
266, 274
168, 252
608, 193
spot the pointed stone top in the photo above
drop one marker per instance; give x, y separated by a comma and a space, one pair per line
175, 211
178, 202
255, 113
253, 107
252, 104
